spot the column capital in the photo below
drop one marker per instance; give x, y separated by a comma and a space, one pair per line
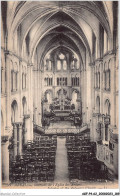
10, 53
30, 64
26, 116
14, 125
19, 124
100, 60
92, 64
4, 138
7, 52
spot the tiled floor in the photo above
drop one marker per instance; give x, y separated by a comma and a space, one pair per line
61, 173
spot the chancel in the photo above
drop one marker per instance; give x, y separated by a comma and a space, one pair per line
59, 92
62, 93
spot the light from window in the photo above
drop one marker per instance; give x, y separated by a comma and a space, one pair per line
61, 56
64, 65
58, 65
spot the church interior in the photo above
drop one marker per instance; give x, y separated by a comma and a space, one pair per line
59, 91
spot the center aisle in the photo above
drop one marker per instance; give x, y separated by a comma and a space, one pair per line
61, 162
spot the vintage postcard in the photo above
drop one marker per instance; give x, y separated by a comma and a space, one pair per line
59, 95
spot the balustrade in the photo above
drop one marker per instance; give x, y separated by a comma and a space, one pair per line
105, 155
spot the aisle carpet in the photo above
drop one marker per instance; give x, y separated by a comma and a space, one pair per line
61, 173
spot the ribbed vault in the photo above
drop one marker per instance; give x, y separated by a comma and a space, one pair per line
52, 24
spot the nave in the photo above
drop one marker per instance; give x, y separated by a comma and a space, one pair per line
58, 159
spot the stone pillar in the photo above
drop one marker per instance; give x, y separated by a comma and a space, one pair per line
40, 97
5, 159
27, 128
101, 86
8, 93
85, 96
54, 84
114, 90
92, 107
30, 95
20, 138
93, 85
15, 139
31, 116
91, 130
94, 127
103, 132
83, 88
20, 86
35, 91
3, 80
35, 116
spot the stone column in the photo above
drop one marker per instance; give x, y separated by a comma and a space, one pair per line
103, 132
94, 127
35, 116
54, 84
92, 107
83, 110
20, 138
93, 85
35, 91
31, 102
20, 86
40, 97
28, 86
3, 80
101, 86
114, 90
8, 93
5, 159
27, 128
15, 139
30, 95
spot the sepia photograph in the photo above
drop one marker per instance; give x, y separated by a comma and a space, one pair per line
59, 95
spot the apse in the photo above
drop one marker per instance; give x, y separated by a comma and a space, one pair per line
60, 105
59, 93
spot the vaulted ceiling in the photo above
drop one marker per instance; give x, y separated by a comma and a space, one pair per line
38, 27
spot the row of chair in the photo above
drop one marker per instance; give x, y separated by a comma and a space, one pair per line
37, 162
82, 162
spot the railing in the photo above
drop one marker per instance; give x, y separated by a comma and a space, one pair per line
66, 130
105, 155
